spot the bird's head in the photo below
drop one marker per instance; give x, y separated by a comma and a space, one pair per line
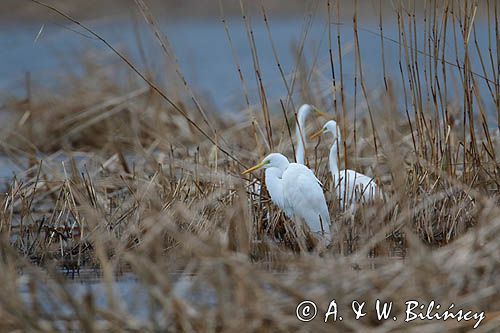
306, 109
273, 160
329, 127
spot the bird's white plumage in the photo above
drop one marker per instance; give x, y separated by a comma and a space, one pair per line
294, 188
354, 187
274, 184
300, 132
350, 186
301, 138
304, 198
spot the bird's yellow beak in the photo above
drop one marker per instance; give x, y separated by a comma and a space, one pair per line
258, 166
318, 133
320, 113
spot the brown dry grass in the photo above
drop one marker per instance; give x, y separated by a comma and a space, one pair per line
139, 181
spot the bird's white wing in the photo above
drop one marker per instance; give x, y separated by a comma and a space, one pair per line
304, 196
357, 185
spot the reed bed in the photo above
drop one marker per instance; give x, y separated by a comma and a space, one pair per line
143, 181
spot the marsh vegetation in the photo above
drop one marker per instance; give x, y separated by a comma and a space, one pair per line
122, 169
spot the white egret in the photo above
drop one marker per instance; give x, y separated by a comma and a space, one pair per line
295, 189
300, 129
358, 186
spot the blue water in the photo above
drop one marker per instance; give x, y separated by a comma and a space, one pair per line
131, 296
204, 54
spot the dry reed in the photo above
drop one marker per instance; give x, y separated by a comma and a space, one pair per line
129, 182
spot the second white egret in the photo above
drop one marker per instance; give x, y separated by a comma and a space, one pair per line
350, 186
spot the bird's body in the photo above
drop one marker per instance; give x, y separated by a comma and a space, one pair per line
350, 186
294, 188
273, 175
304, 198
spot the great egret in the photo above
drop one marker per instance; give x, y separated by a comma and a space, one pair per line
300, 129
300, 136
357, 186
295, 189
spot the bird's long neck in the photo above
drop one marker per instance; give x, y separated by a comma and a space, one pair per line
300, 135
274, 184
333, 159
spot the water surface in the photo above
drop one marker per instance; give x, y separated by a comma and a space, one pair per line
205, 56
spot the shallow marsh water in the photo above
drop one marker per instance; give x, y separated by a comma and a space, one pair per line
48, 50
